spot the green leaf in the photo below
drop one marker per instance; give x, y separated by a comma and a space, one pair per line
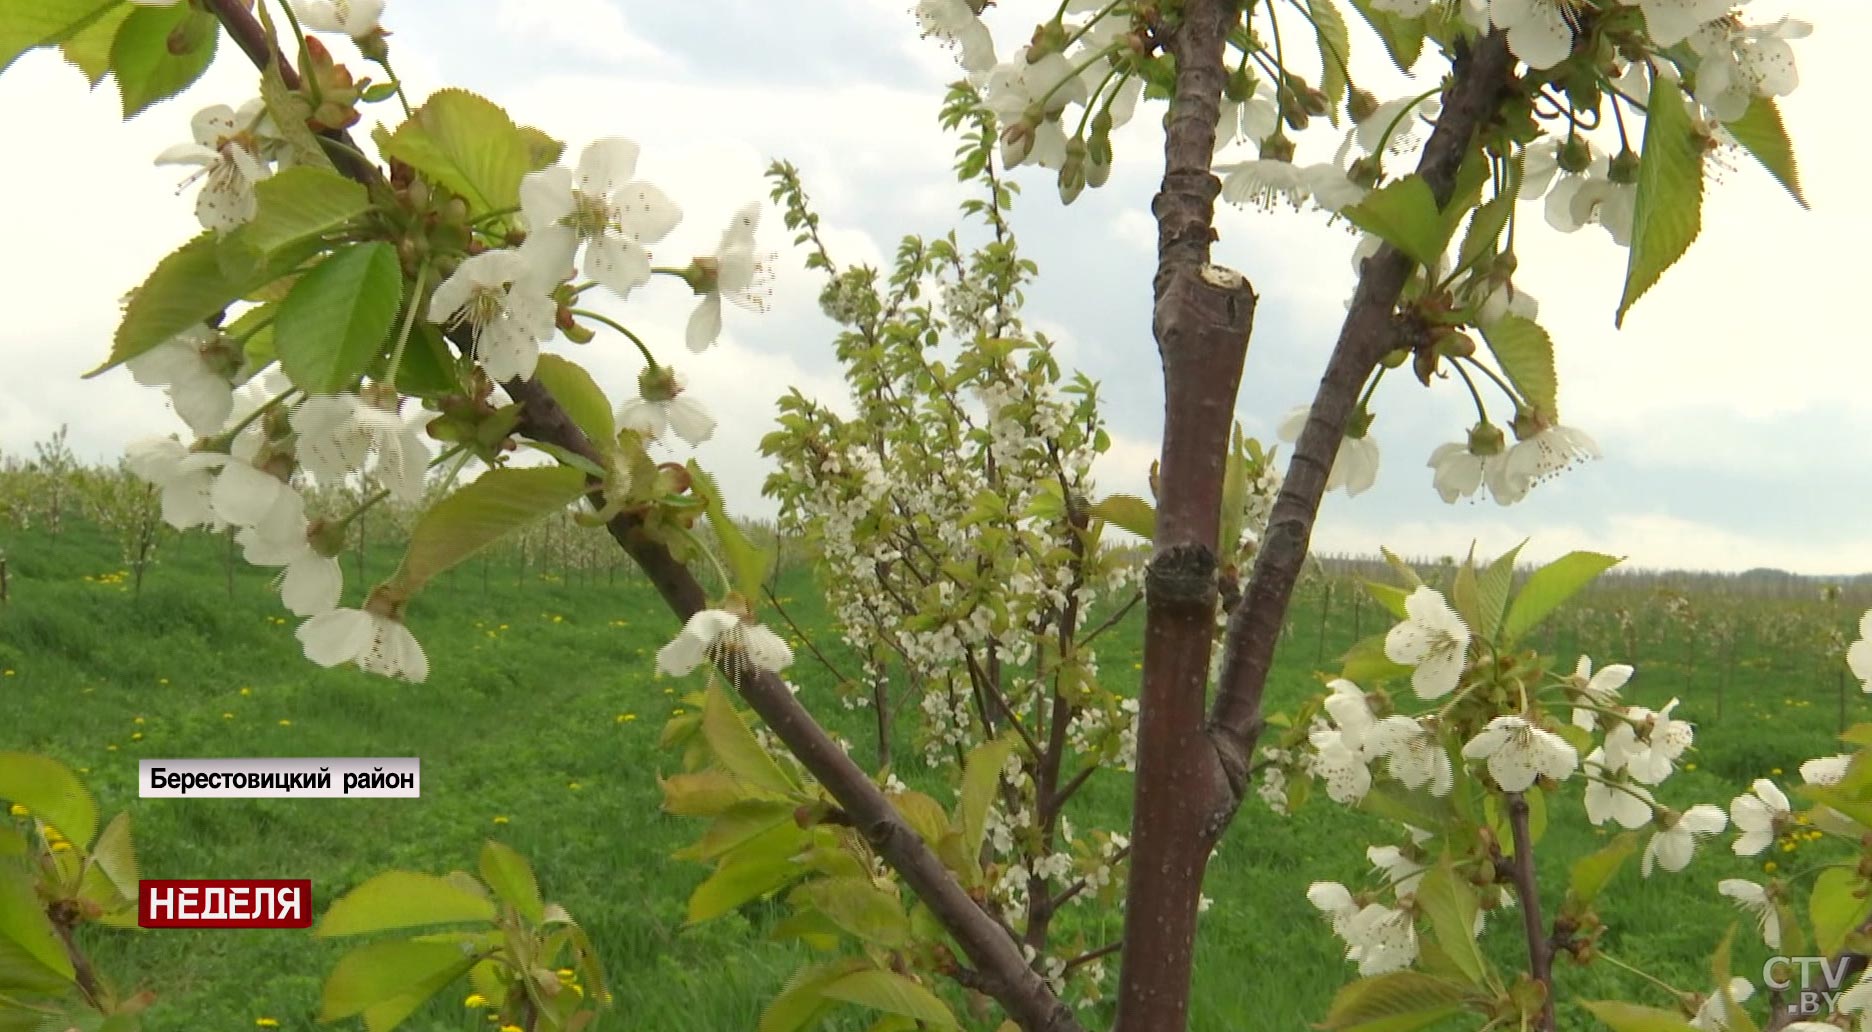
429, 366
800, 1004
300, 202
981, 780
1412, 806
89, 49
1451, 906
859, 907
736, 824
580, 396
705, 793
736, 748
1838, 905
289, 108
748, 564
1405, 215
51, 791
1408, 999
1390, 597
114, 857
1462, 595
1367, 664
1526, 355
1403, 37
183, 291
338, 317
511, 878
1130, 513
1234, 492
468, 144
891, 993
145, 57
762, 865
493, 505
1630, 1017
387, 981
1486, 225
1761, 132
25, 24
1492, 590
1335, 49
1591, 872
1551, 586
402, 899
1669, 208
1405, 571
31, 956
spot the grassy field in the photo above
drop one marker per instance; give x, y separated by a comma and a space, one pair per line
538, 727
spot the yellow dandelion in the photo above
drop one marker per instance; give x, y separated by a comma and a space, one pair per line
1689, 766
246, 691
1787, 847
566, 974
162, 680
677, 712
110, 748
19, 811
1770, 867
1800, 818
574, 786
475, 1000
136, 720
557, 618
136, 736
625, 718
285, 723
61, 846
511, 1028
9, 673
1774, 770
267, 1022
500, 818
669, 691
227, 716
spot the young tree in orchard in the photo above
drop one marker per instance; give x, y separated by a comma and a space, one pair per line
388, 306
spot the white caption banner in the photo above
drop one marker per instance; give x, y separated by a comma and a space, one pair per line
281, 778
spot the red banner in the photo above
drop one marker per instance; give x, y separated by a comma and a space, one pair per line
225, 903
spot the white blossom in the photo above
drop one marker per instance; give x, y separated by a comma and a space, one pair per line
354, 18
1609, 798
1755, 902
1433, 639
186, 479
504, 301
718, 635
735, 272
600, 208
1670, 22
1859, 653
956, 24
1355, 467
228, 151
1755, 814
1518, 752
661, 406
1540, 32
1740, 63
312, 581
1413, 753
377, 644
1713, 1014
1673, 846
200, 393
338, 434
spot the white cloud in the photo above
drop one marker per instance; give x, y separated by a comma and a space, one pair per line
594, 29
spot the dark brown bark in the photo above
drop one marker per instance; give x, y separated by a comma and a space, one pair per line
1527, 889
1474, 96
1201, 320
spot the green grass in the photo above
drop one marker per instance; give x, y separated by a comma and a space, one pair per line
522, 734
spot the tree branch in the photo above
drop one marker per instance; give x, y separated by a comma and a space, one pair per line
1471, 101
1527, 888
1005, 972
1201, 321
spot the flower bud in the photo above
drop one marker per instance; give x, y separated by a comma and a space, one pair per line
1625, 167
1456, 344
1486, 438
1277, 148
1360, 104
1017, 140
1072, 176
1395, 357
1575, 155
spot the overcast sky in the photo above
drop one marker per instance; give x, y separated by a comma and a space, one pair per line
1729, 407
